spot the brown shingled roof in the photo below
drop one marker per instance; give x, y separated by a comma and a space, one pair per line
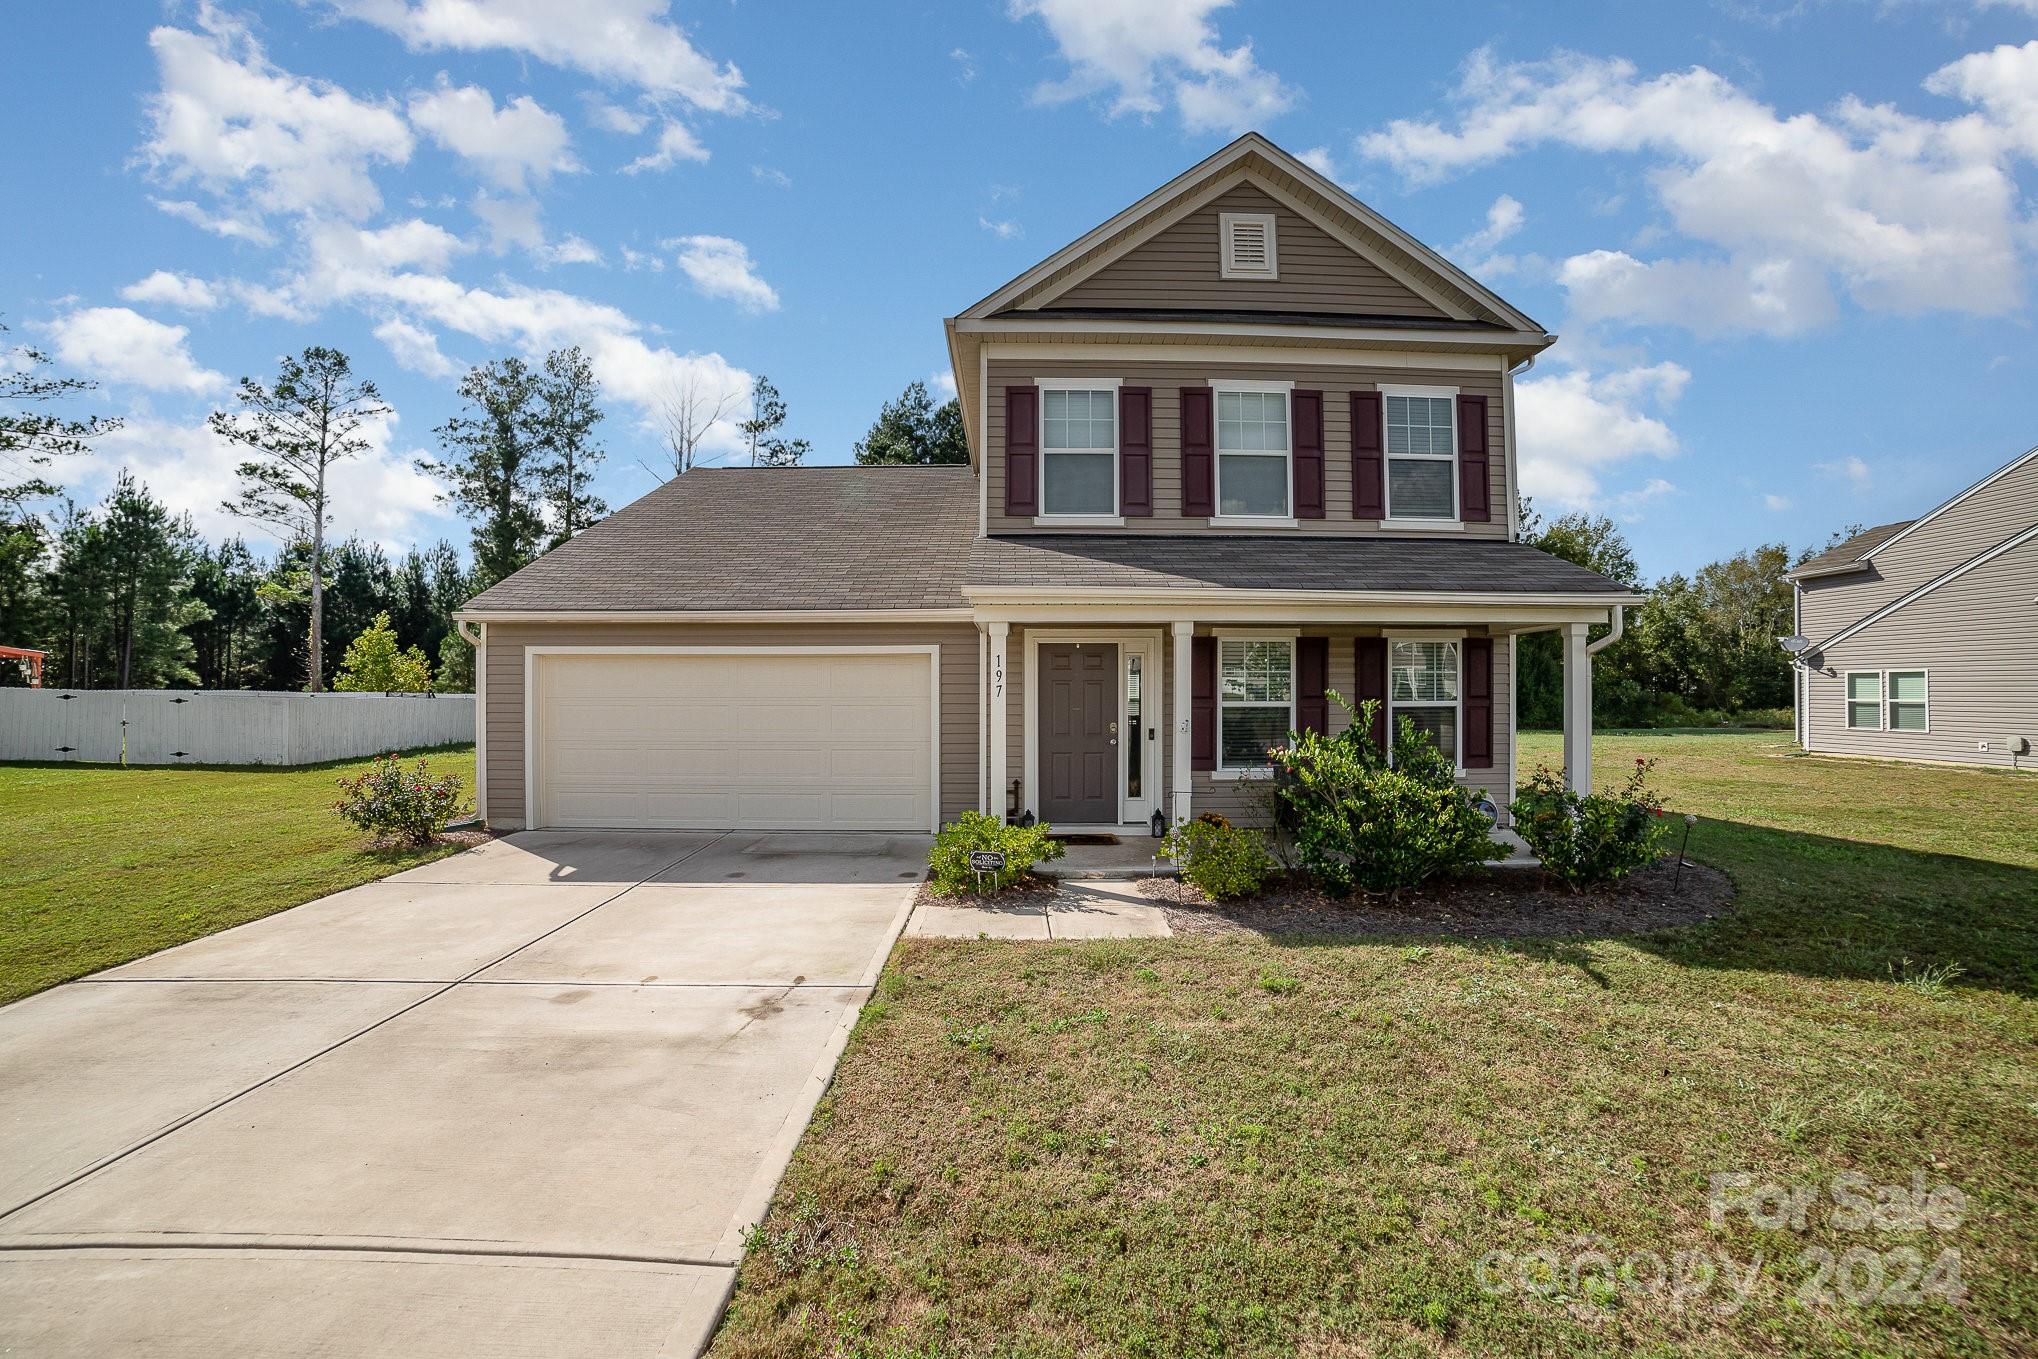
1847, 556
764, 538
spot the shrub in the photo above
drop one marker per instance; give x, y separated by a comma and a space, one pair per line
1359, 823
1024, 846
374, 665
409, 806
1222, 860
1599, 838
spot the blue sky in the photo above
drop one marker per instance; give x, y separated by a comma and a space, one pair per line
1788, 246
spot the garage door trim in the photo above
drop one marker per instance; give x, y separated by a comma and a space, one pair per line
533, 654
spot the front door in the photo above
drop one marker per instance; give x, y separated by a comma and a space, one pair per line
1078, 688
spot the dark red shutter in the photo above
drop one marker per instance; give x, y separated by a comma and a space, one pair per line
1022, 450
1369, 456
1371, 683
1306, 414
1203, 702
1135, 451
1312, 684
1198, 485
1477, 699
1475, 500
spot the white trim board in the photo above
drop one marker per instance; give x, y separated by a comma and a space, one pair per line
1149, 643
533, 654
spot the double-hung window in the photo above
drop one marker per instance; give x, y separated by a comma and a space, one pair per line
1422, 453
1864, 700
1255, 699
1252, 451
1422, 686
1079, 451
1907, 710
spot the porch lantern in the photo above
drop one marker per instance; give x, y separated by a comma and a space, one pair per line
1158, 826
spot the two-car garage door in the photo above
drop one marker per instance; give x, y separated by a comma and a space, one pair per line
757, 738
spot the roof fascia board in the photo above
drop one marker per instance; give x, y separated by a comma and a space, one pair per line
957, 615
1916, 524
1493, 340
987, 594
1527, 617
1840, 569
2009, 544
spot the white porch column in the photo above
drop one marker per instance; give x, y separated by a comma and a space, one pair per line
994, 705
1577, 710
1178, 760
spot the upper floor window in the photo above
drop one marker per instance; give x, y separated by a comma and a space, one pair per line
1252, 452
1245, 243
1079, 451
1422, 453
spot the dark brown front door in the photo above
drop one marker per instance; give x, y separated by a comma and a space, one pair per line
1078, 732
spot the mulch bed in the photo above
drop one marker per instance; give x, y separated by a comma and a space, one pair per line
1031, 890
1496, 903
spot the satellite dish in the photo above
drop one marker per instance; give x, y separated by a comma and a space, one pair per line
1794, 645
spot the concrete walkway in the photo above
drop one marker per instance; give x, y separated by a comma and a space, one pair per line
1083, 909
521, 1101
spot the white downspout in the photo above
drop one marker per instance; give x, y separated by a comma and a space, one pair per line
476, 636
1510, 463
1618, 615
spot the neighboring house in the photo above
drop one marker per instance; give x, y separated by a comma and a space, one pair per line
1244, 444
1923, 635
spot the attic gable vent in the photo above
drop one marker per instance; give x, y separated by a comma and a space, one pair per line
1246, 245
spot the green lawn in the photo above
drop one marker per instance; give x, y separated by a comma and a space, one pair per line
1212, 1147
105, 864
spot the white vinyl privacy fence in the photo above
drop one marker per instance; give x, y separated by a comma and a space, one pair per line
223, 726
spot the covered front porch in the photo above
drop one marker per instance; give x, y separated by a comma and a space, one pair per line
1103, 716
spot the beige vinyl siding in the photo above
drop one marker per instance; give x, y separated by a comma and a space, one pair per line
1967, 529
959, 698
1977, 639
1168, 378
1179, 269
1234, 797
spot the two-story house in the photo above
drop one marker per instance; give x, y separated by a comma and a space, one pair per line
1919, 636
1245, 444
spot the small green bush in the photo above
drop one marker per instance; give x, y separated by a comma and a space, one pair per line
1223, 861
1024, 847
409, 806
1356, 822
1596, 839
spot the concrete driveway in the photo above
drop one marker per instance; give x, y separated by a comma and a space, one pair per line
520, 1101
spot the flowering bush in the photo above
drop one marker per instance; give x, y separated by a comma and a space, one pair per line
1024, 846
1222, 860
1598, 838
406, 805
1358, 822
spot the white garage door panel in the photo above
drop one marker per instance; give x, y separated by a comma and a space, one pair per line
794, 742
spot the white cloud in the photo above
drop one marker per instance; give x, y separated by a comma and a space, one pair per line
634, 260
1905, 214
224, 225
721, 267
675, 143
2004, 84
411, 244
778, 179
570, 250
942, 383
965, 65
1575, 428
1003, 229
173, 290
511, 223
379, 495
614, 118
122, 346
1851, 470
520, 143
629, 41
1476, 251
1146, 55
226, 118
1776, 503
415, 348
1319, 159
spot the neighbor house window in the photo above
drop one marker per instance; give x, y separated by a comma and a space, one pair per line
1078, 451
1906, 690
1864, 700
1422, 686
1255, 699
1422, 455
1252, 453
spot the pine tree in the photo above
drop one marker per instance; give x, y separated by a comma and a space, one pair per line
569, 397
914, 431
492, 454
760, 431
